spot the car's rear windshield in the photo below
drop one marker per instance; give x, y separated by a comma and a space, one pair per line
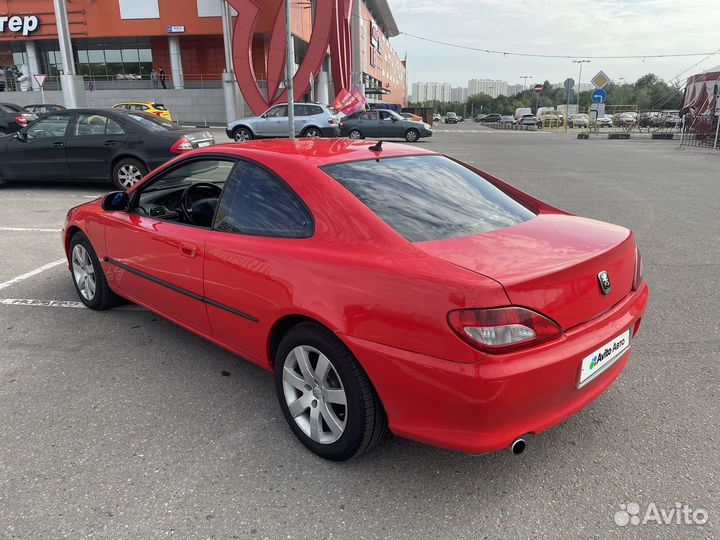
150, 121
159, 106
427, 198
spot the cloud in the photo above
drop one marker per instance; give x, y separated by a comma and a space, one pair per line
570, 27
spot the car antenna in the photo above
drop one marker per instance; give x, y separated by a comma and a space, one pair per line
377, 147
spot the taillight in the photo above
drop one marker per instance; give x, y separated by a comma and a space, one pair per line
181, 145
638, 270
156, 113
502, 330
331, 120
21, 120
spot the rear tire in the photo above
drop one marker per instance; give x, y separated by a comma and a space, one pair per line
127, 172
241, 134
336, 411
355, 134
88, 276
312, 133
412, 135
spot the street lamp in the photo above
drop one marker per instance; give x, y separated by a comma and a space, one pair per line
581, 62
526, 77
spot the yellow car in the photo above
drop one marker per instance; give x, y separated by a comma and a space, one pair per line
158, 109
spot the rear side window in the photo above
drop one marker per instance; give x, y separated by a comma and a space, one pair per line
159, 106
257, 203
427, 198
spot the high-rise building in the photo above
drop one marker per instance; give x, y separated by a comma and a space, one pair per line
430, 91
514, 89
487, 86
458, 94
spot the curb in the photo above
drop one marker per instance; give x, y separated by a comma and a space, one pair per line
626, 136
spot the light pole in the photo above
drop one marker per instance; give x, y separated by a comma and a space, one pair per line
581, 62
290, 56
622, 90
525, 77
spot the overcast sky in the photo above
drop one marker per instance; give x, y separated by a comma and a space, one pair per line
569, 27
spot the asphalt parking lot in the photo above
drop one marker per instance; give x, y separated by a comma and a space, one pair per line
119, 424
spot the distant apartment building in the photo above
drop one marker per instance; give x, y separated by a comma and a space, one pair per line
430, 91
458, 94
514, 89
487, 86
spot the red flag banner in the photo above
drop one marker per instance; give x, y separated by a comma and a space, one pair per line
347, 103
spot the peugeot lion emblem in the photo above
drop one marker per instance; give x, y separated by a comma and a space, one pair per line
604, 280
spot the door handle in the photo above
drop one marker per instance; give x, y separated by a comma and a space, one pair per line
189, 250
110, 143
58, 144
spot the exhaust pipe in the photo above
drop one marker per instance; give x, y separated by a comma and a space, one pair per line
518, 446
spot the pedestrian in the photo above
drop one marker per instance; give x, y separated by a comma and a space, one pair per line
161, 72
154, 77
3, 79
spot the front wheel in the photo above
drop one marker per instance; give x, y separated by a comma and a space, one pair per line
242, 134
325, 396
412, 135
88, 276
355, 134
128, 172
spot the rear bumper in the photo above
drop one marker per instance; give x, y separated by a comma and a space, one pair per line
483, 406
333, 131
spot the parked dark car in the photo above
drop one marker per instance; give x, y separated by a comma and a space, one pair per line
95, 144
451, 118
383, 124
42, 108
509, 120
491, 118
14, 117
479, 117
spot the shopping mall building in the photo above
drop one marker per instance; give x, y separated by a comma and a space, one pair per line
117, 43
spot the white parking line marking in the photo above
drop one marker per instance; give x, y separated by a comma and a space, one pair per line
32, 273
28, 229
58, 303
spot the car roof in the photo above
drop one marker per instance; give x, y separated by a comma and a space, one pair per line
317, 152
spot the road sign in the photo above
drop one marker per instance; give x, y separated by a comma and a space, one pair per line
40, 79
538, 88
569, 83
599, 96
600, 80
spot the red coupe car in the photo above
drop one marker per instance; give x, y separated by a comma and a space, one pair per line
386, 286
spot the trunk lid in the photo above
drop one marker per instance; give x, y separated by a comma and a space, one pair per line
550, 264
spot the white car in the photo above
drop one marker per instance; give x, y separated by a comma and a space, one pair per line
311, 120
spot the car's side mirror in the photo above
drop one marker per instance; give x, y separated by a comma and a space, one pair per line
20, 135
116, 201
394, 119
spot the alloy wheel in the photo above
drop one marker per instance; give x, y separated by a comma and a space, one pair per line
313, 133
129, 175
355, 134
242, 135
314, 394
83, 272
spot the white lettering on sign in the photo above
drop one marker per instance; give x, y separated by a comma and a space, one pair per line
26, 24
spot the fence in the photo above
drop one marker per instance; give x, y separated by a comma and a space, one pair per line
700, 131
201, 81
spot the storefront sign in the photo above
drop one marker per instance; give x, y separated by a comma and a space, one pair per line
26, 24
176, 29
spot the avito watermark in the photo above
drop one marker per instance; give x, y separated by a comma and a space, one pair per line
680, 514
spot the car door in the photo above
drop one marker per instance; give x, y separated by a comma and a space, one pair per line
38, 151
389, 126
369, 124
91, 144
301, 117
259, 227
156, 258
274, 123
